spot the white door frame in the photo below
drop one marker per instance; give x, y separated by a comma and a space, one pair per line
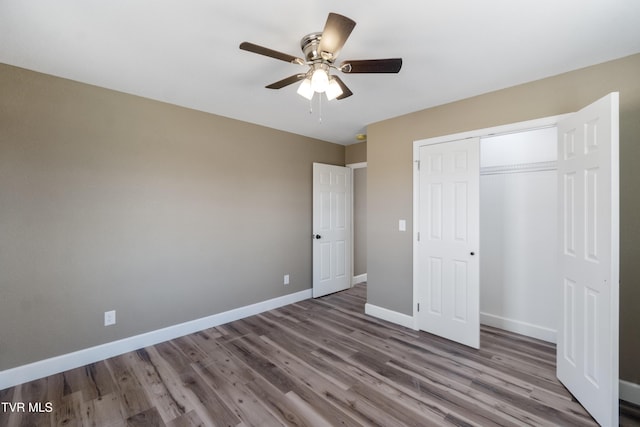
478, 133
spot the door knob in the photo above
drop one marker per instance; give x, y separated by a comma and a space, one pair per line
317, 236
472, 253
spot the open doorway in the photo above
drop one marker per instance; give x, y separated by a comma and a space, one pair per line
359, 222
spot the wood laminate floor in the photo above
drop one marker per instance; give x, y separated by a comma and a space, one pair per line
319, 362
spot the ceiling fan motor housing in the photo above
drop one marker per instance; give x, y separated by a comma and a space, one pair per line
309, 45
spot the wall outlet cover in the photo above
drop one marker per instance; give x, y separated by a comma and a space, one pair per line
109, 318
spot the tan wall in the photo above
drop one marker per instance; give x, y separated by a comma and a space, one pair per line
389, 180
359, 221
111, 201
355, 153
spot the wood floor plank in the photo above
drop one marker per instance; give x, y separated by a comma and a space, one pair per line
133, 397
460, 396
317, 386
204, 400
149, 418
304, 366
68, 411
236, 395
396, 412
171, 381
103, 412
278, 373
36, 392
461, 407
317, 362
314, 337
482, 361
225, 360
307, 412
368, 411
548, 413
208, 404
277, 403
261, 364
7, 395
92, 380
190, 419
189, 348
149, 376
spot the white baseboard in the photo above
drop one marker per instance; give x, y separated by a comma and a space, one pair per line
519, 327
630, 392
361, 278
389, 315
54, 365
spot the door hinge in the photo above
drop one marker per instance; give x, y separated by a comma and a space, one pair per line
418, 164
418, 306
418, 236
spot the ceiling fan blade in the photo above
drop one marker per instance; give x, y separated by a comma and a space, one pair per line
346, 92
260, 50
336, 32
286, 82
391, 65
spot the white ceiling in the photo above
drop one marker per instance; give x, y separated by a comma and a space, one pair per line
185, 52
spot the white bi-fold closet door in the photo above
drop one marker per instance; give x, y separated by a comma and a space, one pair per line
447, 242
446, 283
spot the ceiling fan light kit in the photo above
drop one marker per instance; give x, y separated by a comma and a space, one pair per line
322, 83
320, 52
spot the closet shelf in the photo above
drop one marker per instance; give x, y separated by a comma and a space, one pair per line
519, 168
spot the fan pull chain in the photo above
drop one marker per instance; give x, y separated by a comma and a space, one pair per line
320, 108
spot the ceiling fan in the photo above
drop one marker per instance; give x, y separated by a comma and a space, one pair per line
320, 53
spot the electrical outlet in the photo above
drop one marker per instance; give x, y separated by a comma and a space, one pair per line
109, 318
286, 279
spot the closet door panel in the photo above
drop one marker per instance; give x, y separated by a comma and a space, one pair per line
588, 168
447, 253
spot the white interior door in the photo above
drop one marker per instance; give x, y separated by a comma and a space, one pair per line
331, 229
448, 225
588, 221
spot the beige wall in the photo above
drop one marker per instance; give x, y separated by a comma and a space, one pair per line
110, 201
355, 153
389, 180
359, 221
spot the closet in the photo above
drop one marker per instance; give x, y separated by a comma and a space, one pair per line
517, 227
518, 232
486, 207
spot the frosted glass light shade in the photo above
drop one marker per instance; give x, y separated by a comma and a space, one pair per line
319, 80
333, 90
305, 89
